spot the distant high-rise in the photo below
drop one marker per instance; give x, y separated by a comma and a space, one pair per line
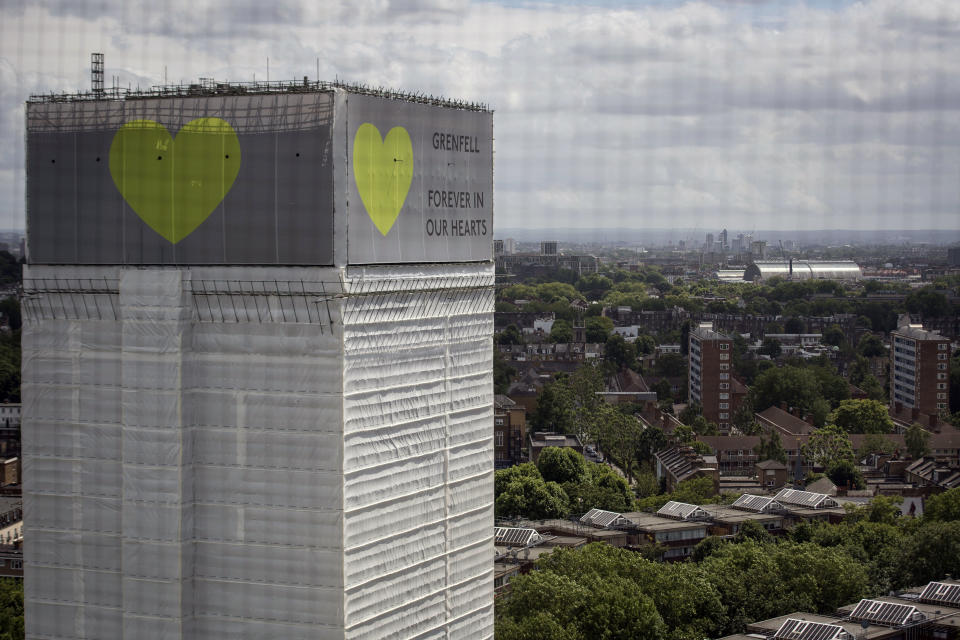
723, 240
709, 243
257, 375
710, 368
548, 248
919, 369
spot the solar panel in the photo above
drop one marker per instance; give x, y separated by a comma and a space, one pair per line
513, 537
805, 499
756, 504
889, 613
601, 518
681, 511
793, 629
941, 593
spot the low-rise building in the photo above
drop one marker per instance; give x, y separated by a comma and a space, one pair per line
677, 464
509, 431
539, 440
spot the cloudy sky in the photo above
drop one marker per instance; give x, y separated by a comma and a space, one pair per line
816, 114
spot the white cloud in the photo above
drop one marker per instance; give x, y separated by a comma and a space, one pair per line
706, 114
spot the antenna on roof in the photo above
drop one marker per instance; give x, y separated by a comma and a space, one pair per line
96, 74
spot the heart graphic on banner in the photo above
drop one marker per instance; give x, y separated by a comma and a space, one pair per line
383, 170
174, 184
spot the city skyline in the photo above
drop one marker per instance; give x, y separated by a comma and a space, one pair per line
786, 115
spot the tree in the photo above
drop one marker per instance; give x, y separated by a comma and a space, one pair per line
875, 443
532, 498
844, 473
744, 419
671, 365
702, 427
870, 346
862, 416
620, 352
794, 325
644, 345
621, 436
833, 335
10, 309
11, 607
927, 302
602, 489
598, 329
932, 552
555, 410
510, 335
503, 373
562, 464
503, 477
798, 387
916, 439
752, 530
561, 332
943, 507
690, 412
771, 449
651, 440
662, 389
859, 370
874, 390
770, 347
828, 445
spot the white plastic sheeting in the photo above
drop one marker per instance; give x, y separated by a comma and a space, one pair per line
206, 464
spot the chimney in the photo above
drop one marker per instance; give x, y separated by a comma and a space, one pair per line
914, 413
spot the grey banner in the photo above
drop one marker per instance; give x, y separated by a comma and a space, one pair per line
426, 200
277, 210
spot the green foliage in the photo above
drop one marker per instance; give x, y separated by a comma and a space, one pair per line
555, 409
752, 530
561, 332
771, 449
928, 302
671, 365
862, 416
503, 373
619, 352
810, 389
702, 427
845, 473
875, 443
694, 491
619, 435
562, 464
931, 552
10, 309
870, 346
556, 292
943, 507
10, 367
10, 269
770, 347
598, 329
503, 477
651, 440
833, 335
916, 439
827, 446
531, 497
510, 335
594, 286
11, 605
602, 489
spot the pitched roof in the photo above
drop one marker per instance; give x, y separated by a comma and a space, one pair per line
603, 519
770, 464
793, 629
941, 593
785, 420
756, 504
794, 497
889, 613
682, 511
514, 537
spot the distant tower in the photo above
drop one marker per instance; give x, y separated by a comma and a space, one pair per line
709, 243
96, 73
548, 248
919, 369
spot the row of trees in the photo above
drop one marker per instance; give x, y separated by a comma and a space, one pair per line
600, 591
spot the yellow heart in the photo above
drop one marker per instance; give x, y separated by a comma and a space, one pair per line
383, 170
175, 184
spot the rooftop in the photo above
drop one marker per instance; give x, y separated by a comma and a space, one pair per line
208, 87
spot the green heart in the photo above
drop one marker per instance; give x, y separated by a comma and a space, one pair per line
383, 171
174, 185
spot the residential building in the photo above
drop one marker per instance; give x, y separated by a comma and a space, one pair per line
919, 369
509, 432
540, 440
711, 374
676, 464
264, 412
